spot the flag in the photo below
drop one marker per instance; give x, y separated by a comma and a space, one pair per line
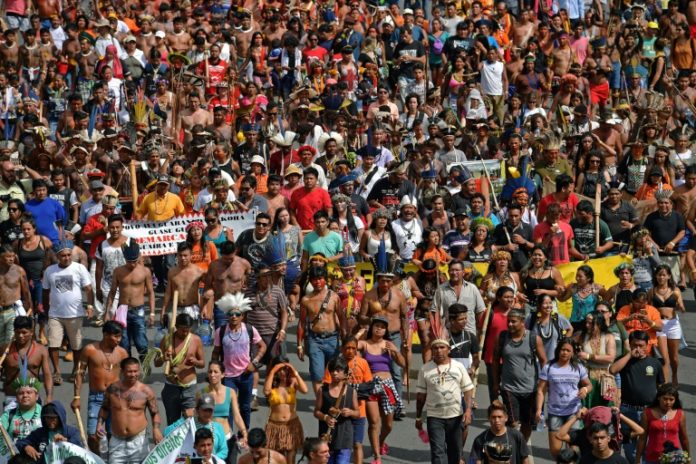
58, 452
176, 446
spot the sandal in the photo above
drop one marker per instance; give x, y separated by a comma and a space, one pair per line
57, 379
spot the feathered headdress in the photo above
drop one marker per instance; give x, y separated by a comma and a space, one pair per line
382, 261
276, 253
482, 221
24, 379
663, 193
234, 301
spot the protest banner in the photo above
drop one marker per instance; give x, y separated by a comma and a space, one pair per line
176, 447
162, 237
60, 451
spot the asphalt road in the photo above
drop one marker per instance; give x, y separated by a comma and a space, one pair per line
405, 446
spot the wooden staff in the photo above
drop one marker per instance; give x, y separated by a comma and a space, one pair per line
597, 211
495, 198
7, 350
172, 326
484, 330
134, 185
8, 441
80, 425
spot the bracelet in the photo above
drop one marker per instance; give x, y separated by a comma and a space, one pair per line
419, 419
77, 397
281, 331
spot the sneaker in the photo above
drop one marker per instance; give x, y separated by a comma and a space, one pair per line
254, 404
98, 323
384, 450
376, 461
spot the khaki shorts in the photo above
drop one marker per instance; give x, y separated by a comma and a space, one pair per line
72, 328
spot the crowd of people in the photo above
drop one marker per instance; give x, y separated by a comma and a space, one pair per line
428, 168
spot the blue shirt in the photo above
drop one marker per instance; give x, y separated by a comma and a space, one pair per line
329, 245
46, 213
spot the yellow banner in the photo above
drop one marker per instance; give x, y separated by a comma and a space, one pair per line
603, 273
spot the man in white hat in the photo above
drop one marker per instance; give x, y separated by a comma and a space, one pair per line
408, 229
445, 389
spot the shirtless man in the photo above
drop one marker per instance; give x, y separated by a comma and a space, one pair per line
184, 354
146, 40
179, 41
133, 281
243, 33
102, 360
125, 402
523, 30
30, 59
258, 451
610, 136
9, 50
562, 57
227, 274
321, 323
393, 303
194, 114
24, 348
14, 288
273, 196
48, 8
185, 278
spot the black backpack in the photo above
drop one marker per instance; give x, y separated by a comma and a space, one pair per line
221, 336
505, 338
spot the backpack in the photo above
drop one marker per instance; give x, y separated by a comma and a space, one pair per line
505, 338
221, 336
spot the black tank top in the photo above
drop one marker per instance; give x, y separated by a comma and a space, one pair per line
532, 283
32, 261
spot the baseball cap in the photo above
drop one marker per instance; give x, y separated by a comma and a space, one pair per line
206, 402
160, 34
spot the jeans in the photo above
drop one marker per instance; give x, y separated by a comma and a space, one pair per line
161, 265
242, 385
445, 439
320, 351
219, 317
396, 371
36, 291
629, 445
135, 333
341, 456
94, 404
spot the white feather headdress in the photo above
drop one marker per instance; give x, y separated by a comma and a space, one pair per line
234, 301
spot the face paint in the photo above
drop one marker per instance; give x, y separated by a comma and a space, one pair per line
318, 283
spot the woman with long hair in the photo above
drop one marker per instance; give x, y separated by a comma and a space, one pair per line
682, 50
215, 232
436, 38
662, 161
352, 227
664, 421
430, 248
292, 237
585, 294
454, 81
189, 193
646, 257
619, 294
538, 277
379, 230
335, 408
226, 411
203, 252
34, 254
596, 348
567, 383
379, 351
480, 249
499, 275
667, 298
497, 323
284, 428
256, 60
549, 324
593, 173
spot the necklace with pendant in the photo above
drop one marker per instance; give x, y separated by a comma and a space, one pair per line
442, 375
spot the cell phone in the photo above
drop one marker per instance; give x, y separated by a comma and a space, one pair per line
196, 460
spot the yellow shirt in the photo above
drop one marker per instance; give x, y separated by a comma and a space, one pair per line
160, 209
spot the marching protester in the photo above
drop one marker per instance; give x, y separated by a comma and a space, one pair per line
471, 170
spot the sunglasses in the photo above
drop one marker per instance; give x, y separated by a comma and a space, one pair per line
235, 314
263, 224
12, 210
210, 220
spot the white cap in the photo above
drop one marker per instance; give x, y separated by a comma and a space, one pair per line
408, 11
160, 34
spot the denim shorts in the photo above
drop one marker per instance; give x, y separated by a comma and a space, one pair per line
554, 423
94, 404
359, 426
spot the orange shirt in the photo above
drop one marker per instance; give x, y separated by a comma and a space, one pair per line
203, 260
359, 372
634, 324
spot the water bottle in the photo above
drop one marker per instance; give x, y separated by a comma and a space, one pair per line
205, 332
104, 448
540, 424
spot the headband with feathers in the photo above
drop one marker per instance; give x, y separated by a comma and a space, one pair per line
234, 301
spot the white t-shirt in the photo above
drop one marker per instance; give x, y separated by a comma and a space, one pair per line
444, 386
111, 257
492, 78
65, 285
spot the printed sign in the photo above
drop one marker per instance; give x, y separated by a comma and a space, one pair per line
176, 446
60, 451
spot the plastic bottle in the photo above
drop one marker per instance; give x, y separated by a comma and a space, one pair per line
206, 333
104, 448
540, 424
